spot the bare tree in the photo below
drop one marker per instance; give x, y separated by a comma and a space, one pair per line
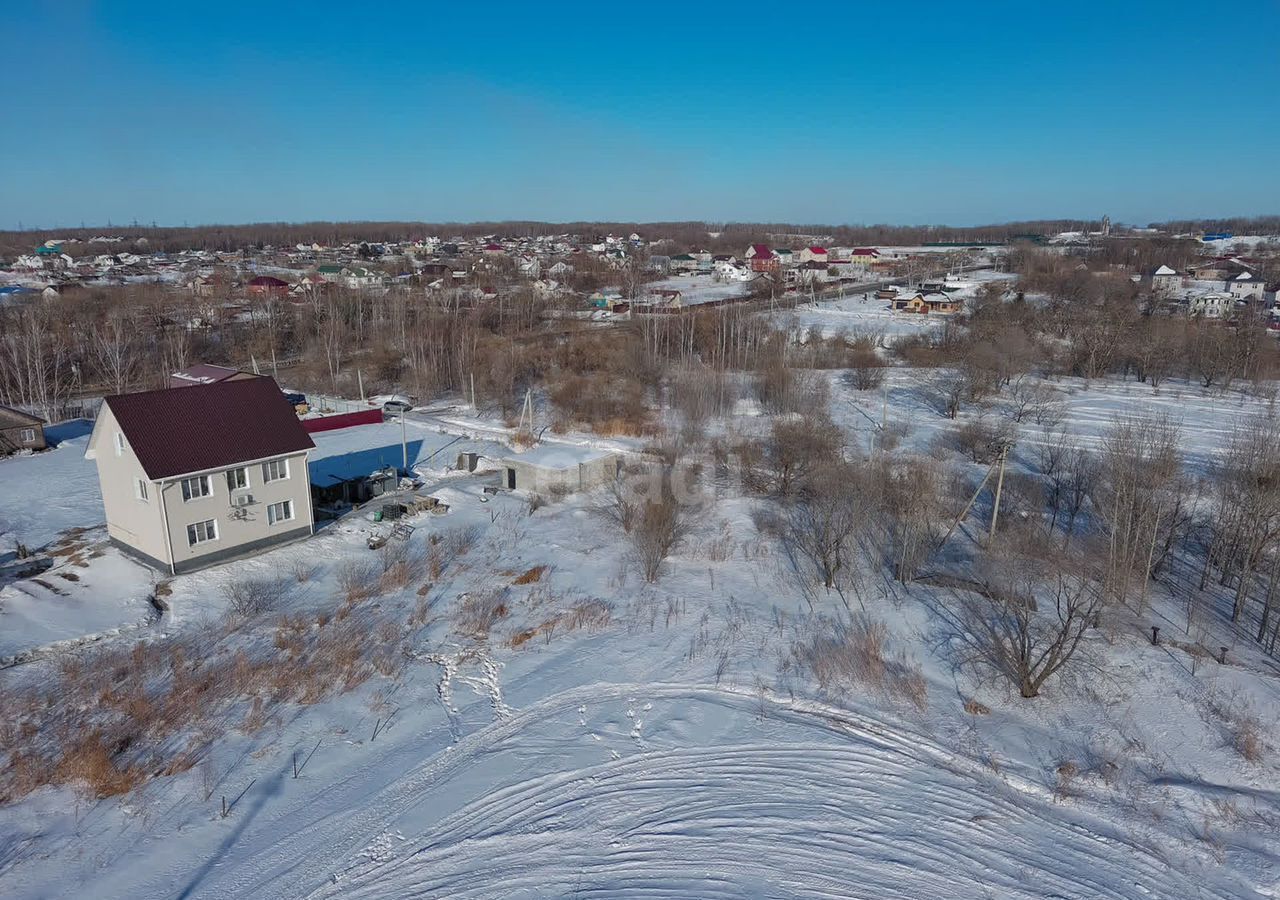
1028, 614
116, 351
1140, 479
1245, 522
824, 529
660, 526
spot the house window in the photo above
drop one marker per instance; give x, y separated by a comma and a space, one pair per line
200, 532
275, 470
280, 512
237, 479
194, 488
140, 489
119, 443
27, 436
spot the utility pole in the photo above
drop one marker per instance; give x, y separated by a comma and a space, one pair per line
360, 379
995, 510
404, 446
473, 392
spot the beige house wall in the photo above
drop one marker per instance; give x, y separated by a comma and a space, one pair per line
156, 527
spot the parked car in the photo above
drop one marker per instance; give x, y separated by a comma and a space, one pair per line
397, 406
297, 401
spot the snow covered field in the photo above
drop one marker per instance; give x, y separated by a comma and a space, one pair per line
602, 737
695, 289
862, 313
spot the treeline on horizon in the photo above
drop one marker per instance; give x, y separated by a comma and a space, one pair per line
727, 237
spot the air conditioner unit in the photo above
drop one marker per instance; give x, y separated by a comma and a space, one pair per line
242, 500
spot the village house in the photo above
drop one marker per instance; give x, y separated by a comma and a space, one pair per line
204, 373
666, 298
1165, 282
267, 284
1211, 305
20, 431
762, 259
813, 254
1220, 268
1247, 288
864, 257
812, 273
924, 303
201, 475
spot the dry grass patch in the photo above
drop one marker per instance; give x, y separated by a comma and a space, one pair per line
844, 656
479, 612
531, 576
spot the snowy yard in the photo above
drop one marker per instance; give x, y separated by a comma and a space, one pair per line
595, 735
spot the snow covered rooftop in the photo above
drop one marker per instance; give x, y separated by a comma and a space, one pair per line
558, 456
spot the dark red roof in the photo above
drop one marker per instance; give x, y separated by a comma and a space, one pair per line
268, 281
761, 251
816, 249
201, 373
208, 426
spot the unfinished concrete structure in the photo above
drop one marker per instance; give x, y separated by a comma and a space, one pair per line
559, 469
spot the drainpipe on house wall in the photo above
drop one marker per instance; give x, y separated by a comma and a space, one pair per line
164, 520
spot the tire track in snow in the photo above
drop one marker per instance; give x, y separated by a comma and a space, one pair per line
888, 808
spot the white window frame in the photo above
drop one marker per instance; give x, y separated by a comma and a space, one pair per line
244, 479
119, 443
281, 468
140, 490
27, 435
208, 526
285, 506
189, 495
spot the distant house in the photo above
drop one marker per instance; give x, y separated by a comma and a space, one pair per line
606, 300
814, 254
209, 285
20, 431
683, 262
267, 284
492, 249
666, 298
1247, 287
812, 272
762, 259
201, 475
1165, 281
924, 303
310, 285
1220, 268
728, 270
203, 373
1211, 305
360, 277
864, 256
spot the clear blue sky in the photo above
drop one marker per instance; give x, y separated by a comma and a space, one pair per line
903, 112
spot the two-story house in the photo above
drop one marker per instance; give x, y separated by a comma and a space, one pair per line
197, 475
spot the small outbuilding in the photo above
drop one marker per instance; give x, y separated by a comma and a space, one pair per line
559, 469
20, 431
